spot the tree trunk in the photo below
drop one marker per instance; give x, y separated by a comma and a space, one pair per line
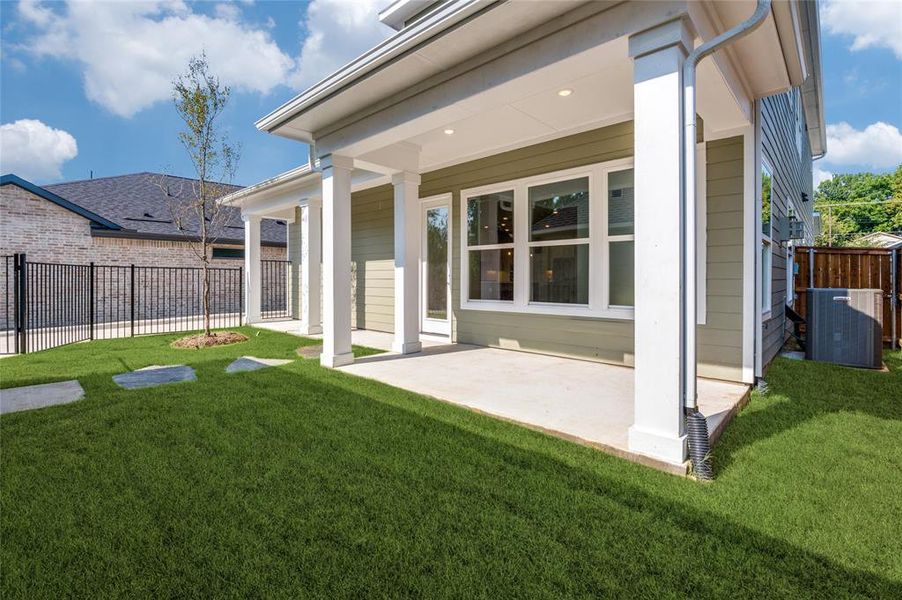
206, 298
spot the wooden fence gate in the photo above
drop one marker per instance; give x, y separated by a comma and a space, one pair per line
854, 268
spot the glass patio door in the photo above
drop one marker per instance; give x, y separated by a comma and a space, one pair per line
435, 254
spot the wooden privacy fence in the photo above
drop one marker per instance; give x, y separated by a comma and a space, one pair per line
854, 268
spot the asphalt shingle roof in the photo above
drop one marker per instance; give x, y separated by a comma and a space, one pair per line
138, 203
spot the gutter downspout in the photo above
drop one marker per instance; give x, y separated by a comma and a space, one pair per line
698, 430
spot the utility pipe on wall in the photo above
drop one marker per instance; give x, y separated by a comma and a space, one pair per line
687, 208
699, 445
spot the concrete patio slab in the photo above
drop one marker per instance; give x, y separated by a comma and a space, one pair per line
252, 363
586, 402
154, 375
38, 396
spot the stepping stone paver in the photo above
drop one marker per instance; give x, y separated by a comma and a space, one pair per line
38, 396
252, 363
154, 375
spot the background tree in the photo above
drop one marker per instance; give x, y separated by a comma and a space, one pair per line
855, 204
200, 100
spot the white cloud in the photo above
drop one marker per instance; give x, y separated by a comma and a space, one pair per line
228, 11
337, 32
819, 175
35, 151
871, 24
130, 51
879, 145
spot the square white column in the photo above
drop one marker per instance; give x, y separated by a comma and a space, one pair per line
293, 253
407, 263
311, 267
336, 171
252, 280
658, 54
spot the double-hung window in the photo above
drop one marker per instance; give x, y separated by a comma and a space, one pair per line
767, 251
560, 243
490, 246
621, 237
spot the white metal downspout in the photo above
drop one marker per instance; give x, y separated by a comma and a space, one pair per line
688, 297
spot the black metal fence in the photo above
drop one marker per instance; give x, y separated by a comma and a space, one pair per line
47, 304
8, 341
275, 277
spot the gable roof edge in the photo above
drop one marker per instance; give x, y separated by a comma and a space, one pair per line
11, 179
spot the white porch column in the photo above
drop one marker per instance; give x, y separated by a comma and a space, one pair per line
293, 254
336, 173
407, 262
311, 268
252, 280
658, 54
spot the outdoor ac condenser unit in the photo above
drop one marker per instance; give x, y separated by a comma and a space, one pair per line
845, 326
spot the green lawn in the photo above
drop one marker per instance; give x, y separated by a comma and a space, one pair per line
300, 481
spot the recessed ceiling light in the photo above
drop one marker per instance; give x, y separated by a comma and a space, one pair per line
564, 93
449, 131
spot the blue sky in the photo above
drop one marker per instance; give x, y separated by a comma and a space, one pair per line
85, 86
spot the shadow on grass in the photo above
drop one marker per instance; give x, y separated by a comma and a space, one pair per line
303, 480
802, 391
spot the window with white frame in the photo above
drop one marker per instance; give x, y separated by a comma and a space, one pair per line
621, 237
560, 243
490, 246
767, 251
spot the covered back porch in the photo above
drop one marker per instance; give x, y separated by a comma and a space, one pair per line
578, 109
586, 402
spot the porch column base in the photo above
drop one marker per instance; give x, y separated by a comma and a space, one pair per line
671, 449
308, 329
252, 319
406, 347
336, 360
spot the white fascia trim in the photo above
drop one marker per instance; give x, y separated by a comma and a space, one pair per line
446, 16
400, 11
813, 88
292, 176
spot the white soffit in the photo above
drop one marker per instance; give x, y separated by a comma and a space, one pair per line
715, 101
528, 109
760, 54
469, 39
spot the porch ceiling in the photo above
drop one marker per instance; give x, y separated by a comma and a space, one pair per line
454, 66
528, 109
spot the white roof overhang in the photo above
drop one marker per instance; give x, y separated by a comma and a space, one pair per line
277, 196
459, 33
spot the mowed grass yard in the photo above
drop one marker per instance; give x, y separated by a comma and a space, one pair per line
300, 481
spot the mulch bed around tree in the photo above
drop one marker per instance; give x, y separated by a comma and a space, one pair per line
310, 351
221, 338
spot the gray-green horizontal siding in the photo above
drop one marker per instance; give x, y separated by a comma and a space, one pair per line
605, 340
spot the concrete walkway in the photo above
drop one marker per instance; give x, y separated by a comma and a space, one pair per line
38, 396
586, 402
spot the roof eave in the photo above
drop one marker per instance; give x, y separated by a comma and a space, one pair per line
813, 89
294, 177
405, 40
11, 179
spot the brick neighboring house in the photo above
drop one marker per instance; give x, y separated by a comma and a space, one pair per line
116, 220
120, 221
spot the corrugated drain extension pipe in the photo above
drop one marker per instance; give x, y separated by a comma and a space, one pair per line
697, 426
